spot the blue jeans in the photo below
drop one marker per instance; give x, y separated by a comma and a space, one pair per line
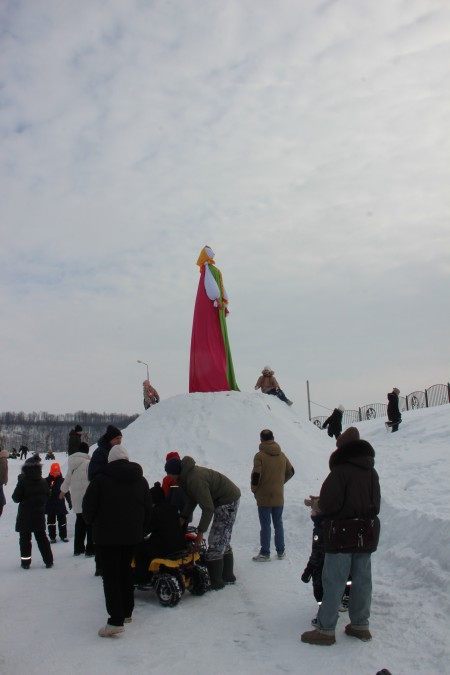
336, 569
266, 513
278, 392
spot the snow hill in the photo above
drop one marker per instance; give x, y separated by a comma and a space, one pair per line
49, 618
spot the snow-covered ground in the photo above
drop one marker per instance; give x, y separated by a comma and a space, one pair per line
49, 618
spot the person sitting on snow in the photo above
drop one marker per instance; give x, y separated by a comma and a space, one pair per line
268, 384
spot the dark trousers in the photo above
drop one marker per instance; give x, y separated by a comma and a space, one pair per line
143, 555
62, 525
82, 532
42, 542
117, 581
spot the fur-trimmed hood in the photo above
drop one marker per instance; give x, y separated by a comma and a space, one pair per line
360, 453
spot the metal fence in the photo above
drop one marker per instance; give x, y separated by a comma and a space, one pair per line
437, 394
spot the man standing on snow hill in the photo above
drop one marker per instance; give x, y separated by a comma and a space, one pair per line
393, 410
218, 499
350, 500
334, 422
271, 470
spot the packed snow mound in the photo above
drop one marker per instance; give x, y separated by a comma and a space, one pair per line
221, 430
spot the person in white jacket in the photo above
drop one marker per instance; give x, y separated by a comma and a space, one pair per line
76, 481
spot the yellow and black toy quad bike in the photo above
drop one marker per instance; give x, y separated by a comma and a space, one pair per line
172, 575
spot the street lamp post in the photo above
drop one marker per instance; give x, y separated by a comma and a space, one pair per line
144, 364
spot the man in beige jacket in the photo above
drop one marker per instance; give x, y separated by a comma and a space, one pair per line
271, 470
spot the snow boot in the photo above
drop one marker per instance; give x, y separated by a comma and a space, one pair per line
110, 631
215, 569
260, 557
361, 632
318, 637
228, 574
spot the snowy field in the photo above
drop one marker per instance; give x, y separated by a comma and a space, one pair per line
49, 618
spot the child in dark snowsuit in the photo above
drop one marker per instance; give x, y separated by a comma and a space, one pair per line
334, 422
313, 569
56, 507
393, 410
166, 534
31, 493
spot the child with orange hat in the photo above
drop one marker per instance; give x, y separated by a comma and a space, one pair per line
56, 507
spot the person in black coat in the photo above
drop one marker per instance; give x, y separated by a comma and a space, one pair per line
393, 410
99, 459
31, 493
23, 452
334, 422
56, 508
118, 504
350, 500
74, 439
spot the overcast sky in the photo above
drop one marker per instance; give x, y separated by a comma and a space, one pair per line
306, 142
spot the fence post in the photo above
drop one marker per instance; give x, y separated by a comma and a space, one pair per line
448, 390
359, 414
406, 399
309, 401
426, 397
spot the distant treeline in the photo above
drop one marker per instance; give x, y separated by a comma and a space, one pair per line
41, 431
81, 417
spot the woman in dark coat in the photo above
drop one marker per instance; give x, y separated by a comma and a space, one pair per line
56, 508
117, 504
31, 493
350, 500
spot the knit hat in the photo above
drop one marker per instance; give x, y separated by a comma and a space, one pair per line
55, 470
171, 455
84, 447
396, 391
173, 466
351, 434
341, 408
78, 429
118, 452
112, 432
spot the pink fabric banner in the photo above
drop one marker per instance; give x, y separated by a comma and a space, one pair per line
208, 364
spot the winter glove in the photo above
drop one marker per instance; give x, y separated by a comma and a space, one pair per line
307, 574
